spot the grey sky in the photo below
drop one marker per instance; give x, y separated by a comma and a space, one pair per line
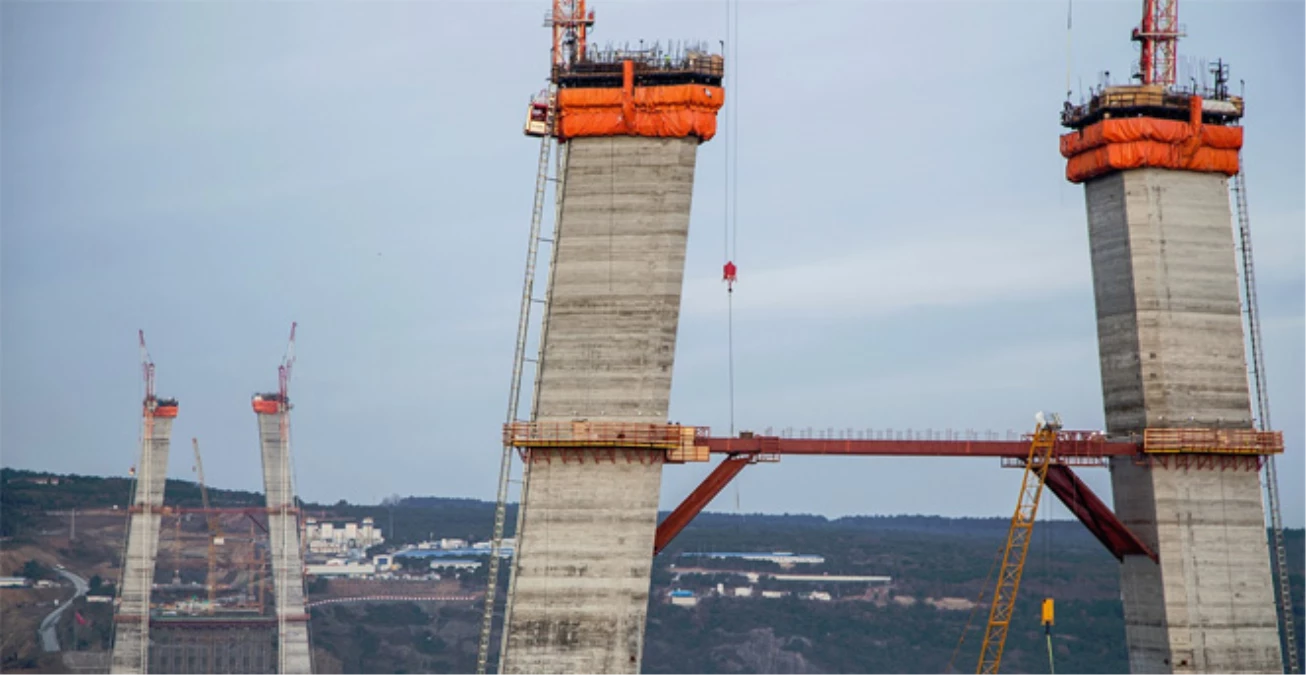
910, 254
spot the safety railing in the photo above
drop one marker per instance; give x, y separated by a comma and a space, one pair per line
679, 442
1136, 98
597, 434
1213, 441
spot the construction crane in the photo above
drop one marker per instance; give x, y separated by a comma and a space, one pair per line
215, 525
1018, 538
1158, 35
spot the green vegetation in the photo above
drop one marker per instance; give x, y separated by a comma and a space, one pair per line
35, 571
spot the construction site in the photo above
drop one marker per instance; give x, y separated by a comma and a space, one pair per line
1188, 441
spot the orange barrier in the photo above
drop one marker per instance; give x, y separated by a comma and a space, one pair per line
265, 407
674, 111
1136, 142
165, 411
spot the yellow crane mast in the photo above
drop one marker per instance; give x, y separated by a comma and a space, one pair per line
215, 526
1018, 538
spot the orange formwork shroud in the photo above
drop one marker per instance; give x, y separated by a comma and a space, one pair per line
1136, 142
670, 111
266, 407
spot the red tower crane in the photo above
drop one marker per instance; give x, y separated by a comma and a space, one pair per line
571, 26
283, 371
1159, 34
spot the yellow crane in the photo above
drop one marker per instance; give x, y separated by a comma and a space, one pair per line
1018, 538
215, 525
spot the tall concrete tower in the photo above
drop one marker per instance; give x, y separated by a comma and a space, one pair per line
131, 615
629, 125
273, 413
1154, 161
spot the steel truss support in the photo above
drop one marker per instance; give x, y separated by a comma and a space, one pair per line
699, 499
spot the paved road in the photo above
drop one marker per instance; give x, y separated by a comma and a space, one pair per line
50, 641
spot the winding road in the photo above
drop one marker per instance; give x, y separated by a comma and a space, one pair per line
49, 640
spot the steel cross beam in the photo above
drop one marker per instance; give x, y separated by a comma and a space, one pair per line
1070, 446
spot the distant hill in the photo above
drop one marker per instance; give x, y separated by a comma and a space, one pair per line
939, 568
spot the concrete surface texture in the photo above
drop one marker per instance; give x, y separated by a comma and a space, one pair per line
131, 616
584, 551
283, 544
1172, 354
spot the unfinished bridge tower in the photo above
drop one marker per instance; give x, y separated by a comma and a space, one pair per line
273, 413
131, 616
628, 124
1155, 160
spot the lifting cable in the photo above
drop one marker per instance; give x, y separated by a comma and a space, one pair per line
730, 224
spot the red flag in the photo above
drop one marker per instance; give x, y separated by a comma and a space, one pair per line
80, 620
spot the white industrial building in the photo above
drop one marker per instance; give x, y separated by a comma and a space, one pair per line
340, 537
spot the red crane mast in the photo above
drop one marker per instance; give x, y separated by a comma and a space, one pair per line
1158, 34
571, 26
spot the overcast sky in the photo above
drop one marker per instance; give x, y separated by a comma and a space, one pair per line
910, 254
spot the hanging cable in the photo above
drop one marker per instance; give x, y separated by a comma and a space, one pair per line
1070, 7
730, 228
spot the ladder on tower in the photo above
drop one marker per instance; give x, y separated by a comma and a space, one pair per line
519, 361
1256, 364
1018, 538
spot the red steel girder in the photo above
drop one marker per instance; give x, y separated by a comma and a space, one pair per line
1069, 444
1072, 446
698, 499
1094, 514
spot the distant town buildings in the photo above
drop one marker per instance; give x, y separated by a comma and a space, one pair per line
454, 564
340, 537
455, 548
683, 598
781, 558
336, 549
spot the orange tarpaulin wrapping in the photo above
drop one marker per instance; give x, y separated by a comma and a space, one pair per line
1139, 154
673, 111
1148, 129
1136, 142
